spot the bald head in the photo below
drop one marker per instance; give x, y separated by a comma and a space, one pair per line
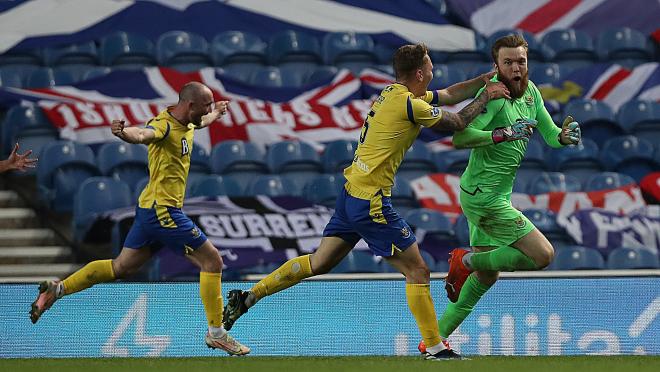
193, 91
195, 101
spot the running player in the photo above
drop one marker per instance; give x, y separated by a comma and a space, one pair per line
159, 220
502, 238
364, 208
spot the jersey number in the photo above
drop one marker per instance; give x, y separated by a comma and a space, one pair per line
363, 134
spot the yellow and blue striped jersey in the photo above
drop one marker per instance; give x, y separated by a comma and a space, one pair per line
391, 127
169, 161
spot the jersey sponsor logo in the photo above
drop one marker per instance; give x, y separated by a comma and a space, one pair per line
435, 112
185, 149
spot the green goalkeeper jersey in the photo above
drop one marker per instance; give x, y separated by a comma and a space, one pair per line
492, 168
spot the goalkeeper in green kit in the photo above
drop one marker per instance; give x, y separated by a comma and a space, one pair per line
502, 238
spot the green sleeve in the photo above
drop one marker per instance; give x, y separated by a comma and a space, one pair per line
546, 125
471, 137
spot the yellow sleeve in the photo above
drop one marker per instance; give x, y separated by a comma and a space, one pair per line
160, 127
431, 96
420, 112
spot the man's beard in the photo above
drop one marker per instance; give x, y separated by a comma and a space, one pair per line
516, 88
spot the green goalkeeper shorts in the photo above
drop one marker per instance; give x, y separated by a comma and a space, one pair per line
493, 221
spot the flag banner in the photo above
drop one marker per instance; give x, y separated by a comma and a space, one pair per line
605, 230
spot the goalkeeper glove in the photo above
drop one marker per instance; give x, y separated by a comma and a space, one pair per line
570, 132
522, 129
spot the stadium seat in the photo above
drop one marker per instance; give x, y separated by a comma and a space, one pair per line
338, 155
357, 261
46, 77
571, 47
431, 222
596, 119
462, 231
63, 165
216, 185
291, 156
73, 54
546, 221
341, 47
293, 47
10, 80
641, 118
199, 160
242, 160
322, 74
632, 258
625, 46
417, 162
127, 49
580, 161
403, 197
22, 72
444, 76
324, 189
96, 195
139, 187
535, 52
274, 77
22, 121
271, 185
607, 181
183, 50
84, 72
553, 182
35, 143
466, 60
25, 57
240, 72
547, 73
629, 155
577, 258
385, 52
124, 162
238, 47
453, 161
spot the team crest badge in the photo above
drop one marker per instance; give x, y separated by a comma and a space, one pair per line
195, 232
405, 232
529, 100
520, 222
435, 112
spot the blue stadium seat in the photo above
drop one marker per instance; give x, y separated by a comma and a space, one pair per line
535, 52
580, 161
533, 163
124, 162
629, 155
357, 261
271, 185
338, 155
271, 76
22, 121
417, 162
46, 77
242, 160
385, 52
341, 47
9, 80
607, 181
322, 74
235, 47
127, 49
632, 258
596, 119
22, 72
577, 258
641, 118
462, 231
625, 46
547, 73
94, 196
183, 50
453, 161
240, 72
403, 196
216, 185
73, 54
199, 160
291, 156
444, 76
324, 189
35, 143
294, 46
63, 165
466, 59
570, 47
84, 72
32, 57
552, 182
546, 221
479, 69
431, 221
139, 187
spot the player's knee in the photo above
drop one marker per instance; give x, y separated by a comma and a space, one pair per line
212, 264
122, 269
545, 256
418, 274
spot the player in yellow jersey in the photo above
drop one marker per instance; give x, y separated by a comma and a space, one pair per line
159, 220
364, 210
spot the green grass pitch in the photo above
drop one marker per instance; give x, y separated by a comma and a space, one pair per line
337, 364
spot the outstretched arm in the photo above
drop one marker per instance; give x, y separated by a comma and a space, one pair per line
132, 134
459, 92
220, 109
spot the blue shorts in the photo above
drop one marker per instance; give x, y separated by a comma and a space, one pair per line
164, 226
373, 220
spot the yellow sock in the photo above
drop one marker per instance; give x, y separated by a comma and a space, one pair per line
421, 306
290, 273
211, 293
93, 273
